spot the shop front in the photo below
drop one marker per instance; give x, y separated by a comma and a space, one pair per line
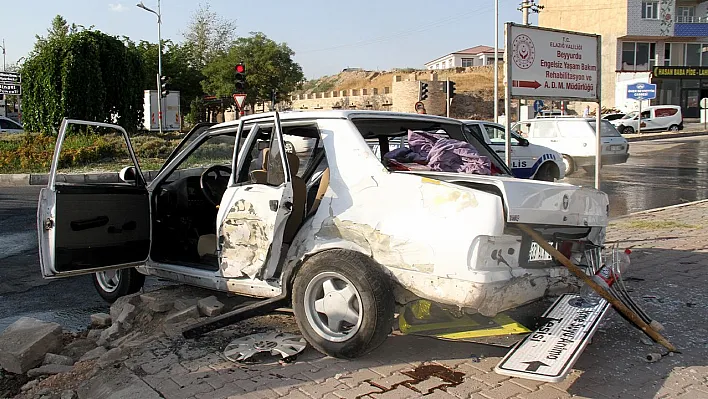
681, 85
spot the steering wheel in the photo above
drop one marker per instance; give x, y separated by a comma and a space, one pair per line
214, 181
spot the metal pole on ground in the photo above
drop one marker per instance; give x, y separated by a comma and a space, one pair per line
447, 97
598, 117
639, 125
507, 97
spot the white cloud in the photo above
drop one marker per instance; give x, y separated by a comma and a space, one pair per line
117, 7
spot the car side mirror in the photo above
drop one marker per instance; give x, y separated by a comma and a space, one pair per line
128, 174
523, 142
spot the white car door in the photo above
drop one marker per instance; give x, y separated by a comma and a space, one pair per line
522, 158
87, 227
253, 215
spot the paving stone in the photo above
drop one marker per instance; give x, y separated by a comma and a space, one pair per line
25, 342
117, 383
318, 390
127, 315
78, 348
93, 354
357, 378
109, 334
51, 358
110, 357
468, 387
94, 335
31, 384
184, 303
157, 301
48, 369
505, 391
119, 304
100, 320
210, 306
227, 391
69, 394
178, 316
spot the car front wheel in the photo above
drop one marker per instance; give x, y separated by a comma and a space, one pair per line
343, 303
547, 172
673, 128
113, 284
627, 130
569, 164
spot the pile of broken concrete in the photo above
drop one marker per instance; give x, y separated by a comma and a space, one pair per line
56, 363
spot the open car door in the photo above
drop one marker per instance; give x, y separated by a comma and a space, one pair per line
255, 209
87, 226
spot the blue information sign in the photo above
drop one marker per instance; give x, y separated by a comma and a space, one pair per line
537, 105
641, 91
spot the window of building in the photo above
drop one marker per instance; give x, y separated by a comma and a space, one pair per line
693, 54
650, 9
467, 62
685, 14
667, 54
638, 56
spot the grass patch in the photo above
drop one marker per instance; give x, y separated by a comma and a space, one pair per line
655, 225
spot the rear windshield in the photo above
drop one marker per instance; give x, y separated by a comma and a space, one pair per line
419, 145
606, 129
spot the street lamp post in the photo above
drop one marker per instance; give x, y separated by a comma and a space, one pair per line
3, 55
159, 58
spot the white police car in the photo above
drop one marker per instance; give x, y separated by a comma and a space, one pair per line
528, 161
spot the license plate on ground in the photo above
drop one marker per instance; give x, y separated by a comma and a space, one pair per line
548, 353
536, 253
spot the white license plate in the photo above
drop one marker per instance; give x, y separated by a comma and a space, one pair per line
536, 253
616, 147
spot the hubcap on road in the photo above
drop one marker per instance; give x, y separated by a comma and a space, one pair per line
108, 280
333, 306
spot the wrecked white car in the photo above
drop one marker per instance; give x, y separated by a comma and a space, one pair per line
342, 232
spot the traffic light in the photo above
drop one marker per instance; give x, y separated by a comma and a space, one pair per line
240, 77
164, 80
449, 87
423, 95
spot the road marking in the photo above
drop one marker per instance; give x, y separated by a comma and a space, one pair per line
16, 243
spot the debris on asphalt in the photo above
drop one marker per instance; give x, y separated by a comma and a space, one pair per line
210, 306
100, 320
93, 354
653, 357
25, 342
49, 369
275, 343
474, 358
645, 340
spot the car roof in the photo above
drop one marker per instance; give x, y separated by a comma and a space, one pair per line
338, 114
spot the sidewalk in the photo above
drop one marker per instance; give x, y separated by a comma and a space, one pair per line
668, 278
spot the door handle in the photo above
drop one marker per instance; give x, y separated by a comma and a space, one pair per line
273, 205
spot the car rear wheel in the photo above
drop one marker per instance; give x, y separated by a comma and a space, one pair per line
547, 172
113, 284
343, 304
627, 130
673, 128
569, 164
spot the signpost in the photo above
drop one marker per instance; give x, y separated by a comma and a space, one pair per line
10, 83
704, 105
641, 92
538, 106
544, 63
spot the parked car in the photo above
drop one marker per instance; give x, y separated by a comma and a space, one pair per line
528, 161
7, 125
654, 118
342, 238
575, 139
613, 116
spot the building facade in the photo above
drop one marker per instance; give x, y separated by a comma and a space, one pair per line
474, 56
651, 41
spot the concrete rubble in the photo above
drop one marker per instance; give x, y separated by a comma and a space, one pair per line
100, 320
51, 358
24, 344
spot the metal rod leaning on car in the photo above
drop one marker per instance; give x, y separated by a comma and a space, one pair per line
633, 317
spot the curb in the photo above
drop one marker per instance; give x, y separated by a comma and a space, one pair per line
663, 208
663, 136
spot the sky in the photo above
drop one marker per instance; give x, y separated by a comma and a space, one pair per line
326, 36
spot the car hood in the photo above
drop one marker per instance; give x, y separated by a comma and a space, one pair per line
537, 202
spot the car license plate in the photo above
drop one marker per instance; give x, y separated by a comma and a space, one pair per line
536, 253
616, 147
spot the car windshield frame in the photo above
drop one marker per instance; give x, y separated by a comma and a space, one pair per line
606, 129
630, 115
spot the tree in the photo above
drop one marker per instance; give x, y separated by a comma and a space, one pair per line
207, 36
84, 75
269, 66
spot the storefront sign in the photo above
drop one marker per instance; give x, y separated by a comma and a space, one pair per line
680, 72
546, 63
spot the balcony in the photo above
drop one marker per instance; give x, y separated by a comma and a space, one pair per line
691, 26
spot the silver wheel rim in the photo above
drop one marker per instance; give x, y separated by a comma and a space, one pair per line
674, 128
566, 162
108, 280
333, 307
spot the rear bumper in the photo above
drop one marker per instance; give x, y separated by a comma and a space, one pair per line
606, 159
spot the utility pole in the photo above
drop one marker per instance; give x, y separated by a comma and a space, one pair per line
3, 55
496, 61
528, 6
159, 58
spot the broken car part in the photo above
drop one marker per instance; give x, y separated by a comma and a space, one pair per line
276, 343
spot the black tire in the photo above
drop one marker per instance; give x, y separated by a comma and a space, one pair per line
376, 312
129, 282
570, 165
547, 172
627, 130
674, 128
